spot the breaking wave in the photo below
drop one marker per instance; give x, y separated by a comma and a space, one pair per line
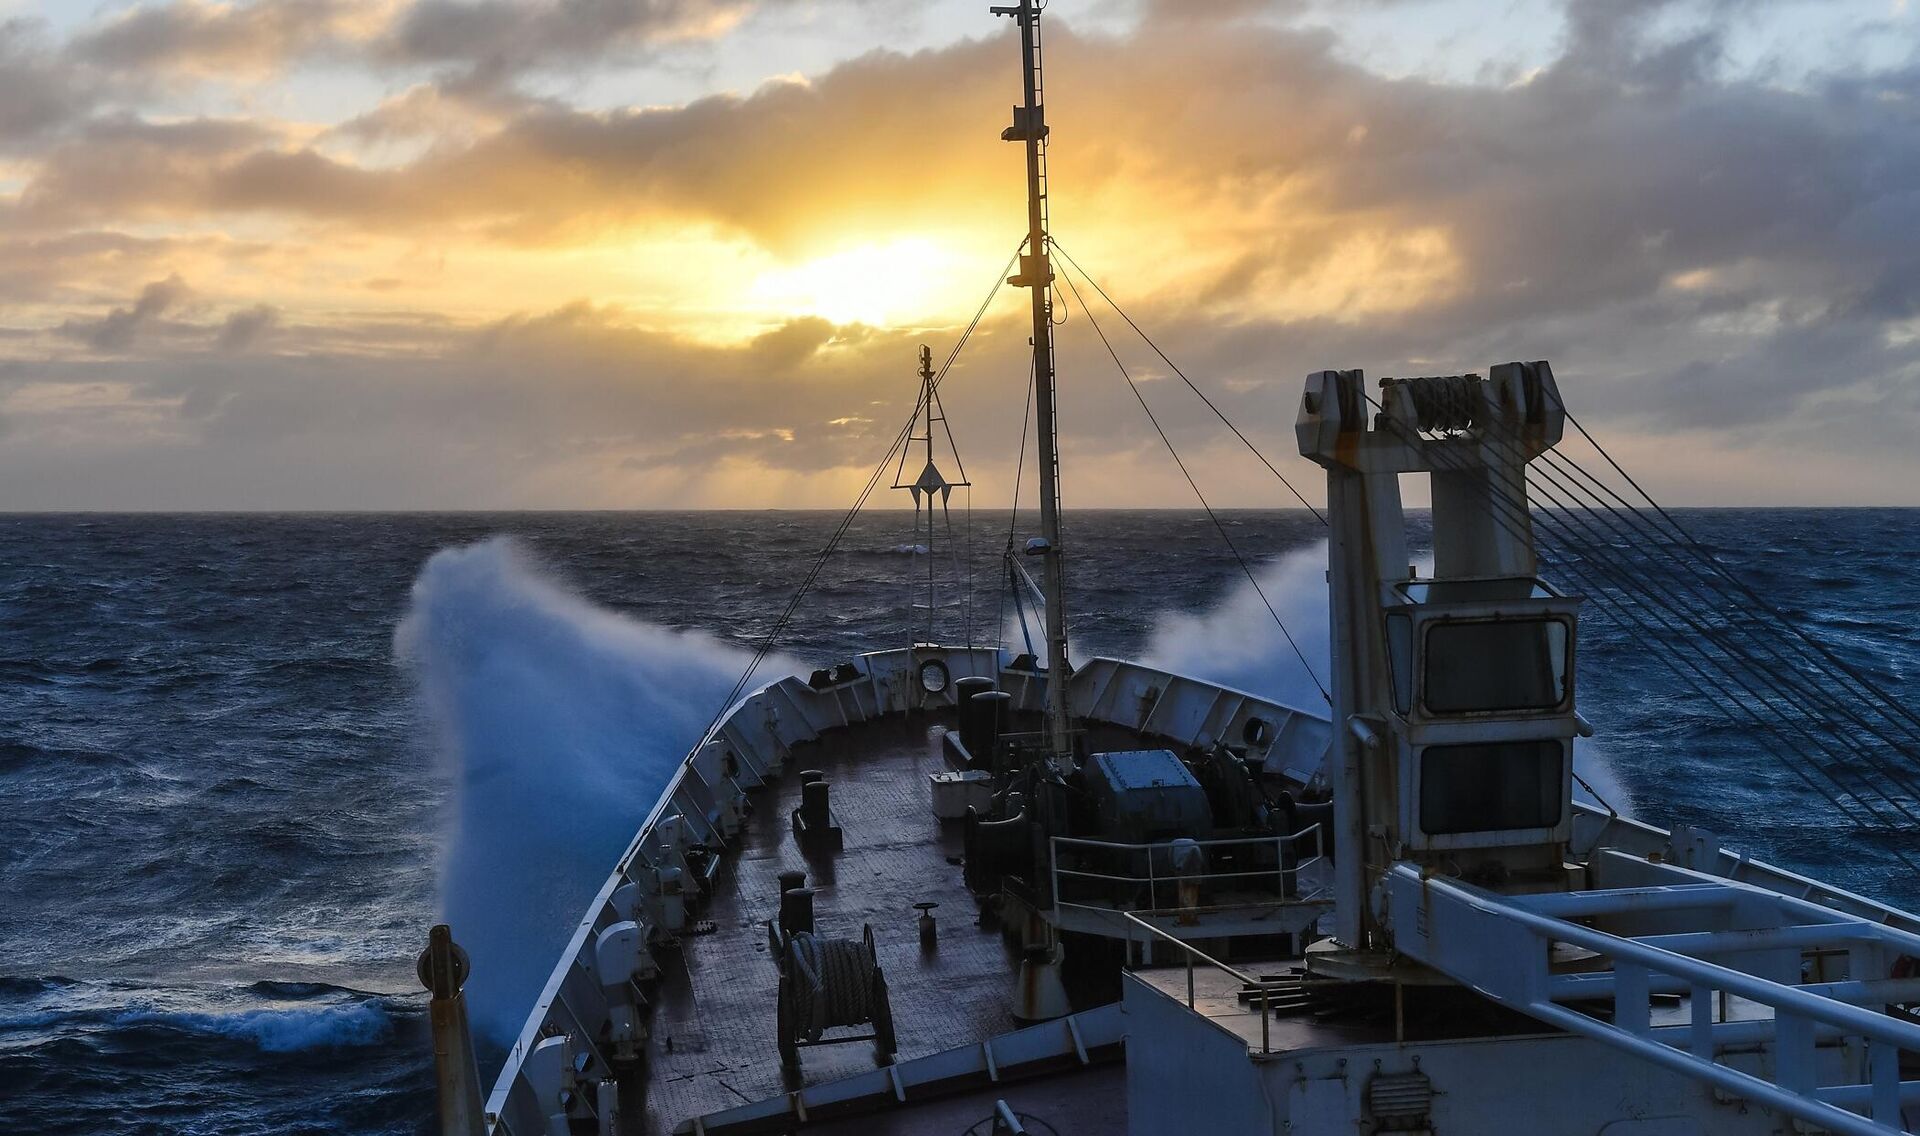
559, 724
280, 1030
271, 1017
1236, 644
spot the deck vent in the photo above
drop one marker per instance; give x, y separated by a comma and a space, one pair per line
1400, 1102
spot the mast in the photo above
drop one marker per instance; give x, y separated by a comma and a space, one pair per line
1036, 273
931, 484
926, 399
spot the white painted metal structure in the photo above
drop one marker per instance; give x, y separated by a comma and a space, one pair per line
1451, 771
1667, 1073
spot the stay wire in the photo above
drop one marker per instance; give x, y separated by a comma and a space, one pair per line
1681, 664
1787, 679
1007, 585
1217, 412
1195, 486
1673, 658
1787, 674
772, 637
1778, 698
1012, 520
1890, 706
1641, 587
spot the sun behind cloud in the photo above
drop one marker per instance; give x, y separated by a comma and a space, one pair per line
879, 284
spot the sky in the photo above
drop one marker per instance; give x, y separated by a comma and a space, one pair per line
478, 254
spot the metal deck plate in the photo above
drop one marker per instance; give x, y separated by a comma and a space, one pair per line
712, 1040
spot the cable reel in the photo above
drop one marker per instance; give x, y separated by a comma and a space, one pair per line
828, 984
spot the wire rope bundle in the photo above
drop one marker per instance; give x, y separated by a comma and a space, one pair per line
833, 983
828, 984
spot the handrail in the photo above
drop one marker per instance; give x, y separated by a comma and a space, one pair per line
1313, 829
1801, 1012
1192, 952
1280, 873
1698, 972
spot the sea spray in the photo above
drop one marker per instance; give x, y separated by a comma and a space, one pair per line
1236, 644
559, 724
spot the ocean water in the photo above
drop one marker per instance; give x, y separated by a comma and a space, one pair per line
245, 761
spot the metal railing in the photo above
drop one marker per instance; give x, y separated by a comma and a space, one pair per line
1260, 869
1500, 945
1247, 981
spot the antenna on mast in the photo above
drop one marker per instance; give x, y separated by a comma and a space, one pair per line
931, 483
1036, 273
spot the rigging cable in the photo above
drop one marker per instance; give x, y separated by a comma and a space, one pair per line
1217, 412
1027, 412
1790, 686
1175, 454
1636, 586
1777, 698
772, 637
1784, 675
1676, 661
1893, 707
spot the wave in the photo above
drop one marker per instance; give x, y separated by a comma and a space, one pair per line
559, 724
1236, 644
348, 1026
320, 1016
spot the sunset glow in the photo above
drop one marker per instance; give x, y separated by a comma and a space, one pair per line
400, 253
871, 284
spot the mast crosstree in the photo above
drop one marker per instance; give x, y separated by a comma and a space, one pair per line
1036, 274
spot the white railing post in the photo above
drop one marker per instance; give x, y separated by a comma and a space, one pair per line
1280, 864
1884, 1062
1794, 1052
1631, 1008
1701, 999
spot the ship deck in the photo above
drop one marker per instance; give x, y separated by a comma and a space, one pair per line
712, 1040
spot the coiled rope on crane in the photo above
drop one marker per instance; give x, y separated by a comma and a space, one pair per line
1443, 404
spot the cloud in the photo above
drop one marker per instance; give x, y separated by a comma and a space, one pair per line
117, 330
508, 36
122, 169
495, 39
245, 327
37, 93
195, 37
1704, 254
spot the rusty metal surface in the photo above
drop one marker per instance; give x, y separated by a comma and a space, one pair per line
712, 1043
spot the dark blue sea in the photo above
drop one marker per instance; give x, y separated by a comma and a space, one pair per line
246, 761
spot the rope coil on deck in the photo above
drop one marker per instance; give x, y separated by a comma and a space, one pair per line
833, 984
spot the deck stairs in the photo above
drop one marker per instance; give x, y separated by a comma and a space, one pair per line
1282, 994
1768, 998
